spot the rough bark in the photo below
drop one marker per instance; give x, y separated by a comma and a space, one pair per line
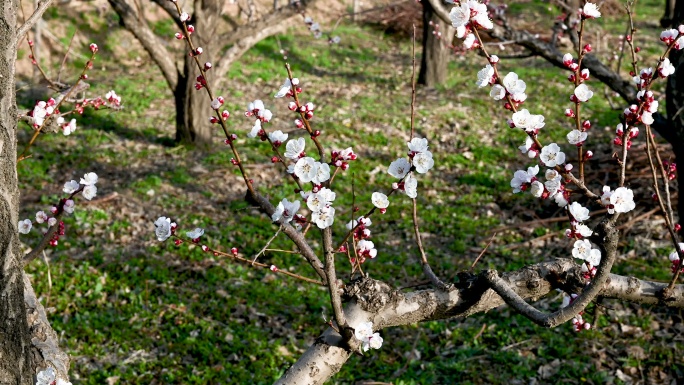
435, 58
375, 301
15, 340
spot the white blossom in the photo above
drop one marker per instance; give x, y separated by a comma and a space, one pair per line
89, 192
576, 137
69, 206
89, 179
551, 155
537, 189
285, 210
286, 87
41, 217
25, 226
423, 162
590, 11
411, 186
666, 68
380, 200
583, 230
162, 228
581, 249
484, 76
369, 340
460, 15
255, 129
674, 256
277, 137
194, 234
417, 145
622, 200
469, 41
324, 217
294, 148
582, 93
522, 177
322, 173
305, 169
367, 248
497, 92
513, 84
399, 168
71, 186
579, 212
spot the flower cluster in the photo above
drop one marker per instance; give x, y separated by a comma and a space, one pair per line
620, 200
314, 27
341, 158
66, 205
369, 340
42, 111
263, 115
467, 16
320, 204
675, 36
419, 160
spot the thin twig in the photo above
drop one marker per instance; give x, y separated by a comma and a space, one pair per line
482, 253
267, 244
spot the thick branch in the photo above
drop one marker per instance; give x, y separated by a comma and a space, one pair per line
44, 341
170, 10
149, 41
32, 20
375, 301
245, 37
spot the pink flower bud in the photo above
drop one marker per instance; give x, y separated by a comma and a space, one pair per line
586, 124
568, 167
587, 48
178, 35
30, 43
569, 113
213, 120
178, 242
292, 106
275, 159
207, 66
198, 51
342, 249
234, 162
677, 227
225, 115
93, 47
588, 154
205, 248
234, 250
273, 268
191, 28
585, 74
571, 78
493, 59
573, 66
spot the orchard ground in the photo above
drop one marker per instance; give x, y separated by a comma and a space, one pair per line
131, 310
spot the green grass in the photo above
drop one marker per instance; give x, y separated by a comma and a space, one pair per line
128, 306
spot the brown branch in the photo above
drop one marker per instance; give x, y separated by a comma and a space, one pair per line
32, 20
375, 301
149, 41
245, 37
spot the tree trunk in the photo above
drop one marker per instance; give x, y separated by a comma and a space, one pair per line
668, 16
15, 340
675, 109
193, 108
433, 64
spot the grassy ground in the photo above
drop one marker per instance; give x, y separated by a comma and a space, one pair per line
131, 310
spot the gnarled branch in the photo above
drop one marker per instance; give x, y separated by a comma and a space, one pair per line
149, 41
